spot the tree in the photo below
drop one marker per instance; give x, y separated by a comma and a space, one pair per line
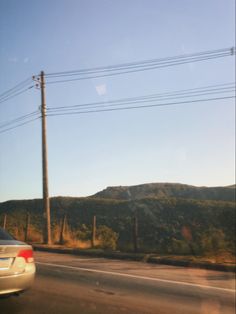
107, 237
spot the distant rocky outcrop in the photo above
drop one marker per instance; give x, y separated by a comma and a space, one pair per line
167, 190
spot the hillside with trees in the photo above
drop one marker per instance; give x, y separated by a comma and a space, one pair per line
167, 190
173, 225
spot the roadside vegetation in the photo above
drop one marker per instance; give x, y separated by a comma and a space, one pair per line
164, 226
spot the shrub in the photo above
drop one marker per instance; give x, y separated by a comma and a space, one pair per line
107, 238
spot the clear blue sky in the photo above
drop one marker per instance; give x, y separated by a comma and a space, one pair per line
192, 143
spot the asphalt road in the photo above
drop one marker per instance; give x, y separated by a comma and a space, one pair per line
71, 284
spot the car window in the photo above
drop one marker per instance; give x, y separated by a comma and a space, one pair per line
4, 235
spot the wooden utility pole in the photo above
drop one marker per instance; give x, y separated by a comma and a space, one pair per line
46, 203
5, 221
94, 232
27, 226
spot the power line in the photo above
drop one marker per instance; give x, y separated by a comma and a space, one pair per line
137, 67
72, 108
140, 69
16, 88
131, 107
123, 69
21, 118
19, 125
144, 66
193, 92
12, 95
139, 107
144, 62
150, 98
119, 69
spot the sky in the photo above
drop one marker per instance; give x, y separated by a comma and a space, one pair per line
191, 143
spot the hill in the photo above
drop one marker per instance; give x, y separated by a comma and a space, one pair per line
168, 190
165, 224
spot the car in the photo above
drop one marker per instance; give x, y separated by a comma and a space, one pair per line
17, 267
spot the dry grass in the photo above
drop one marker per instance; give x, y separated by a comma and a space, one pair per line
218, 258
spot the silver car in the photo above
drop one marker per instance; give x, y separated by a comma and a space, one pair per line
17, 268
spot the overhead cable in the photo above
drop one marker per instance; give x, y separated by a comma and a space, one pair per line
187, 93
140, 107
16, 88
18, 125
12, 95
227, 51
125, 68
19, 119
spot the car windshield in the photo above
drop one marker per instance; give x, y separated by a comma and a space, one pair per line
117, 136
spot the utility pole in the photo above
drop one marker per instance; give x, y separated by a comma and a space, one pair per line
46, 203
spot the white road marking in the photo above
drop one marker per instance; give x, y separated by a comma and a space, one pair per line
84, 259
136, 276
78, 259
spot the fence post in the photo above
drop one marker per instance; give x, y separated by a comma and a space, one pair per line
94, 232
63, 226
135, 232
5, 221
27, 226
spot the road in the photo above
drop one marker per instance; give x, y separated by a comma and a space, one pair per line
68, 284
